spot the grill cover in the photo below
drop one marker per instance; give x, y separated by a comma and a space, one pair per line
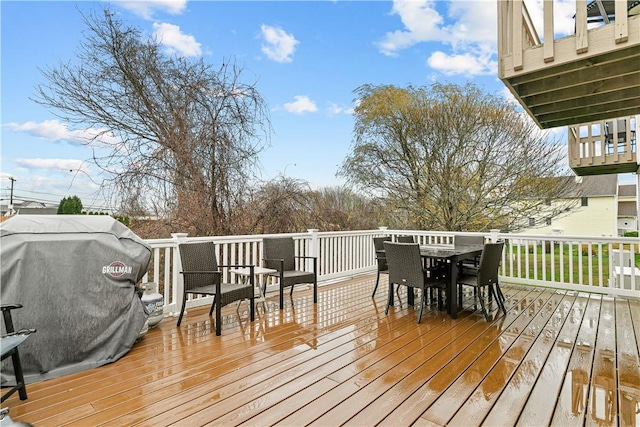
75, 276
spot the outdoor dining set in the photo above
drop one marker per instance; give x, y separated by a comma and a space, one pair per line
443, 269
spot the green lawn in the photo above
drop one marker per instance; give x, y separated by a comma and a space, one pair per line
562, 252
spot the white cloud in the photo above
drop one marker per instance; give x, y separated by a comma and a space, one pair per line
55, 131
335, 109
469, 29
563, 12
301, 105
421, 20
175, 41
466, 64
279, 45
508, 96
146, 8
473, 22
53, 164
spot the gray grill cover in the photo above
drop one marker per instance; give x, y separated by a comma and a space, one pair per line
75, 276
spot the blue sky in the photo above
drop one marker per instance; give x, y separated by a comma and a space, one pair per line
305, 57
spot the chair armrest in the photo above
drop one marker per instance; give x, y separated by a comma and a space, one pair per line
200, 272
280, 260
315, 261
238, 265
6, 307
20, 332
6, 316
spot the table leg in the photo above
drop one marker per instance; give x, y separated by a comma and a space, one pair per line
452, 297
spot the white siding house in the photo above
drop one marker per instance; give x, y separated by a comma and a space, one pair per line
589, 208
627, 209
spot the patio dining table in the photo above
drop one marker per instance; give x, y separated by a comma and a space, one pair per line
452, 256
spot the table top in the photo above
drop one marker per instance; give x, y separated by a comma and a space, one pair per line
256, 270
432, 251
435, 251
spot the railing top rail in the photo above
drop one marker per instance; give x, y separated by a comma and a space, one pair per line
511, 236
566, 238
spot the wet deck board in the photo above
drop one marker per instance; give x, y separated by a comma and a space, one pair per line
344, 362
536, 410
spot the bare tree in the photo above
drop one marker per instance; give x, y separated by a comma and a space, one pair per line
280, 206
179, 136
452, 157
340, 208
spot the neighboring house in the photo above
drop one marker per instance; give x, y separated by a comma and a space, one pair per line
627, 209
29, 207
590, 207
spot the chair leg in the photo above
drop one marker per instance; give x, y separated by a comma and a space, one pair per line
17, 368
218, 320
499, 292
184, 304
291, 291
484, 310
423, 296
390, 298
281, 296
375, 288
315, 290
212, 306
499, 298
20, 386
252, 310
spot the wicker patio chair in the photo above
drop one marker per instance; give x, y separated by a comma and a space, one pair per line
462, 240
381, 260
406, 268
486, 276
202, 276
279, 254
9, 343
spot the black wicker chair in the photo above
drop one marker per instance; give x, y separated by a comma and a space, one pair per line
463, 240
279, 254
405, 239
202, 276
486, 276
381, 260
406, 268
9, 343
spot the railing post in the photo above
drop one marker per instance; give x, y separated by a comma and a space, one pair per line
178, 284
493, 237
314, 244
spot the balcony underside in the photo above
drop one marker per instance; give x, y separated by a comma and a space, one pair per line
557, 357
575, 87
631, 167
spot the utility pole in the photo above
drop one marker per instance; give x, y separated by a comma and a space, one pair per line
11, 212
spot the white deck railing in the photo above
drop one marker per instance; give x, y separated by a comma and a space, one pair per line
576, 263
517, 35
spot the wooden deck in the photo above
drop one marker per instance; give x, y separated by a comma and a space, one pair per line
557, 358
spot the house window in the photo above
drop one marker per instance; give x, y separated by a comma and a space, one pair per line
547, 202
585, 201
548, 221
532, 222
